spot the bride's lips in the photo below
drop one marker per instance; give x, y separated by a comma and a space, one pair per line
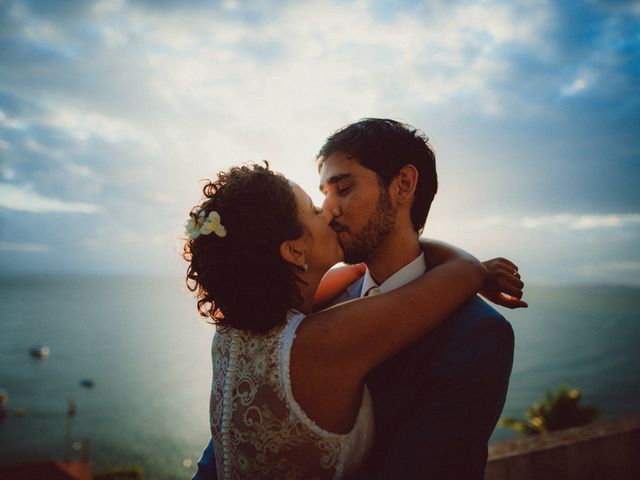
338, 227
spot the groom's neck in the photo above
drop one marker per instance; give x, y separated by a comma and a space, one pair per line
398, 250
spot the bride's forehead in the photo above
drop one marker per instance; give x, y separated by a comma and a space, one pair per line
293, 184
300, 194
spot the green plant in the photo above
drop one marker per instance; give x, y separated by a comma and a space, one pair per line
556, 411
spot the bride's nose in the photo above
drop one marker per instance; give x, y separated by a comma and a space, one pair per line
331, 208
327, 215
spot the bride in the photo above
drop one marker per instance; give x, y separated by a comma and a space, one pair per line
288, 398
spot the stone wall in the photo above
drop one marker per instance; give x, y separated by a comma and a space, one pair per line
607, 450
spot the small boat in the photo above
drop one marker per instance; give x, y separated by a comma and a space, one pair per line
87, 383
39, 351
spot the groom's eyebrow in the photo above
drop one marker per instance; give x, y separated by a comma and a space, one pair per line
335, 179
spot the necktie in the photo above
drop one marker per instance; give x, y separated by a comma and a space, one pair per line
375, 290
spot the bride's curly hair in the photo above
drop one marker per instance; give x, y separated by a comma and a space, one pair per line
241, 281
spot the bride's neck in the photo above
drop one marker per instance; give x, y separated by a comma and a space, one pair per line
307, 289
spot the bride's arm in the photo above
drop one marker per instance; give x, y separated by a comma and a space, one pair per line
437, 252
335, 282
338, 279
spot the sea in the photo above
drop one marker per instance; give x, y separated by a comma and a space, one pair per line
133, 357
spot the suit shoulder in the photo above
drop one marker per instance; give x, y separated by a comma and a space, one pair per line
477, 314
477, 307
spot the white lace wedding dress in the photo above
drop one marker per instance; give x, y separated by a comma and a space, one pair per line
258, 429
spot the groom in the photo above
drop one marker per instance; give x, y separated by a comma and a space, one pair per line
436, 402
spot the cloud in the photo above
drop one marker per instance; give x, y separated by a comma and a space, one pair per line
565, 248
621, 266
615, 272
146, 55
11, 123
82, 124
579, 85
570, 221
23, 247
23, 198
582, 222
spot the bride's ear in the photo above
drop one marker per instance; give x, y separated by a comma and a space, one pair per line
293, 252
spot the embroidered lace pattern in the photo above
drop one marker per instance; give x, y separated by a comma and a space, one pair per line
258, 429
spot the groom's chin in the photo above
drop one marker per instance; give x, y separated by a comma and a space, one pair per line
351, 259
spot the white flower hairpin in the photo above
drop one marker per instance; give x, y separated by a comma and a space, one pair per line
201, 225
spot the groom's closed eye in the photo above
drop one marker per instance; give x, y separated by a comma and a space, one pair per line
344, 190
336, 180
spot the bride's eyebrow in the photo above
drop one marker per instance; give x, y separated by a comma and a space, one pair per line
335, 179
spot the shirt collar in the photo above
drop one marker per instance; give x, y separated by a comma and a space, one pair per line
406, 274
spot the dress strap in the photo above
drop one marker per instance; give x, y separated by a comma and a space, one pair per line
286, 342
284, 351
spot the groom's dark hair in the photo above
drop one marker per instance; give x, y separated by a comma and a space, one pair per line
385, 146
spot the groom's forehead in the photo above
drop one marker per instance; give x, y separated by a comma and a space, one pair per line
339, 163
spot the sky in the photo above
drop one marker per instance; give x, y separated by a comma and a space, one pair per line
112, 112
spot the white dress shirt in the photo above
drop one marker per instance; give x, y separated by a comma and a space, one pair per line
406, 274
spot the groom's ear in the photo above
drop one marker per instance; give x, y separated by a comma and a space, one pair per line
404, 185
293, 252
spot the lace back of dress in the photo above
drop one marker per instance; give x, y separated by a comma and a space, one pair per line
254, 430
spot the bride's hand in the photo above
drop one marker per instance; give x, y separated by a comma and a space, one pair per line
503, 285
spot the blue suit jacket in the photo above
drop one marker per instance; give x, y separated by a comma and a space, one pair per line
436, 402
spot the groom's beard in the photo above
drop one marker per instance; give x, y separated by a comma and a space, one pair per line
375, 231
